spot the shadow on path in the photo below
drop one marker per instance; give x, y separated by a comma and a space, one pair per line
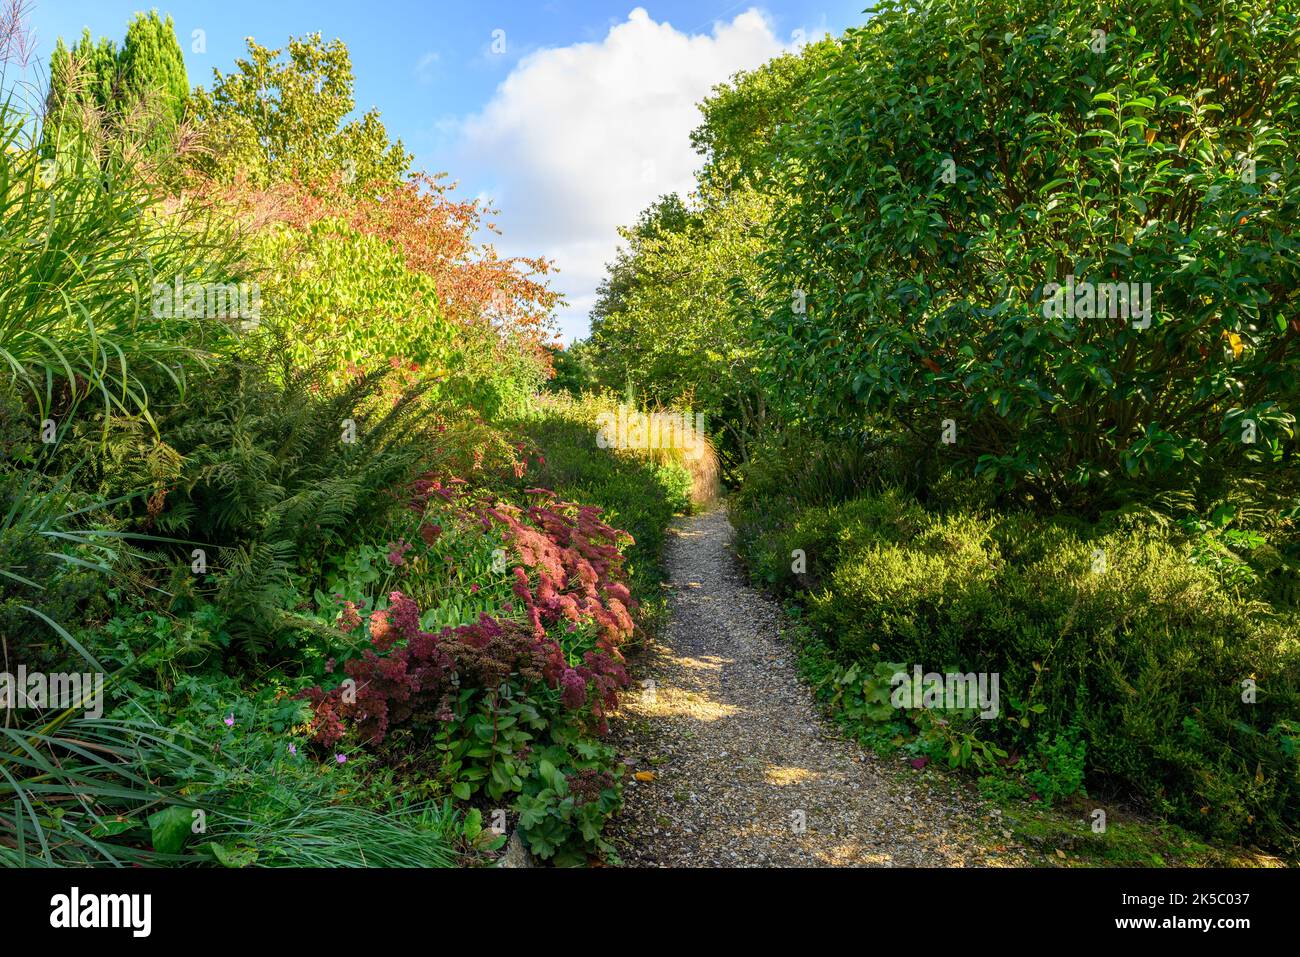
745, 772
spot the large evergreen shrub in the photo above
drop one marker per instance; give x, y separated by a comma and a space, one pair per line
959, 160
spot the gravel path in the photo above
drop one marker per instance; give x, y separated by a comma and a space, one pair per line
732, 765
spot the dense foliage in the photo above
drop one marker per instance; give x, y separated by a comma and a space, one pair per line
1013, 286
298, 532
95, 82
77, 267
676, 313
988, 308
1159, 151
281, 116
1136, 645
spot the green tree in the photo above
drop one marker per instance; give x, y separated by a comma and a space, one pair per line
674, 318
574, 372
151, 63
94, 87
665, 215
95, 79
280, 116
680, 333
742, 116
82, 84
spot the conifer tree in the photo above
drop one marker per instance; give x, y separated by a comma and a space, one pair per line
151, 63
97, 75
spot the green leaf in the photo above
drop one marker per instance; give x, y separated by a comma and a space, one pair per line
473, 823
240, 855
171, 829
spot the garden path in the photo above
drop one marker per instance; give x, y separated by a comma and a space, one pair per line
730, 763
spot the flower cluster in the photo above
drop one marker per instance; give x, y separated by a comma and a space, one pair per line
570, 567
410, 675
568, 574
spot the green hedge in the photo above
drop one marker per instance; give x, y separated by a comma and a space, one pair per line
1110, 628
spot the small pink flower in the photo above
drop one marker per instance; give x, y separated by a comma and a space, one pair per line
230, 720
397, 552
473, 589
573, 691
293, 748
341, 758
349, 618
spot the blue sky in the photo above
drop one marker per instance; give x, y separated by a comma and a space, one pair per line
575, 127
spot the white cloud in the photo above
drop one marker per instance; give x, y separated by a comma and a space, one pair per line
577, 140
424, 70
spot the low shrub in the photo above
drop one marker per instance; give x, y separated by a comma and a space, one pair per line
1111, 641
801, 468
499, 699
